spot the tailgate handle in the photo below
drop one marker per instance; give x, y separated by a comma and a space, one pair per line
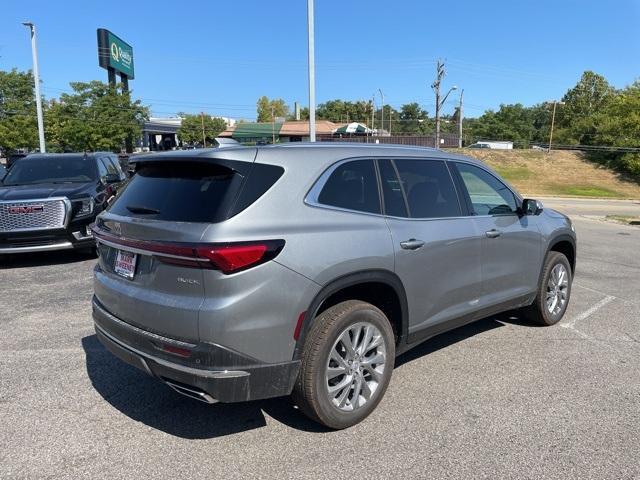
493, 233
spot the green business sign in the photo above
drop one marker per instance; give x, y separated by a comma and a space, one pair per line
115, 53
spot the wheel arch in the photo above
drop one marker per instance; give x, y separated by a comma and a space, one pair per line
364, 285
566, 245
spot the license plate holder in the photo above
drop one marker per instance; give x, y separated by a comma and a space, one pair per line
125, 264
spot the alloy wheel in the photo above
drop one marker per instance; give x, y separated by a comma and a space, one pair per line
557, 289
355, 366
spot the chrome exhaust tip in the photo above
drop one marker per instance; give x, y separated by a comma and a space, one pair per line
191, 392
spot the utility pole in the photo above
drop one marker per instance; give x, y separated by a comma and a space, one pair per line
373, 113
460, 118
312, 72
204, 137
553, 120
36, 78
273, 125
381, 110
435, 86
439, 103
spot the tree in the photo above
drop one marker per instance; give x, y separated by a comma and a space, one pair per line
413, 119
575, 119
511, 122
341, 111
190, 130
269, 109
18, 124
618, 124
97, 116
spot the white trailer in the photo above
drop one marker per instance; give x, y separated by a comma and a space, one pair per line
495, 145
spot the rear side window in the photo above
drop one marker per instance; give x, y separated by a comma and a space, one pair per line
192, 192
429, 188
354, 186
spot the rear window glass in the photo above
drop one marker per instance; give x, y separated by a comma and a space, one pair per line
353, 186
179, 192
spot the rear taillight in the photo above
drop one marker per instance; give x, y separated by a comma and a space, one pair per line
226, 257
234, 257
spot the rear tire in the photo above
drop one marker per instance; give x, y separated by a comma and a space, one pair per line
347, 361
554, 291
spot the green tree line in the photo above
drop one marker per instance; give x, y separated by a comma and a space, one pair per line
95, 116
591, 114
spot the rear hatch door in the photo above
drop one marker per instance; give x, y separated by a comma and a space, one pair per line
166, 207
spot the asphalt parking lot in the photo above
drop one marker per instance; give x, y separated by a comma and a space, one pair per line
497, 399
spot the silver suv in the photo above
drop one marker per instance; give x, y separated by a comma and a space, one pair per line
305, 269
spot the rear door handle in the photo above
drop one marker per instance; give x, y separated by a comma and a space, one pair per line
412, 244
493, 233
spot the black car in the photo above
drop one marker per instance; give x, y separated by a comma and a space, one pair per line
49, 201
14, 157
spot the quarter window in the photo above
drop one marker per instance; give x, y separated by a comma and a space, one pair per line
353, 185
429, 188
489, 196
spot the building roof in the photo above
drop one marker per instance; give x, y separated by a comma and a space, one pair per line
253, 130
301, 128
293, 128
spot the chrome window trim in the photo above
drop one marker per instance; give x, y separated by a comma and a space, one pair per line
65, 222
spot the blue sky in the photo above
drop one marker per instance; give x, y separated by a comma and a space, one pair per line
220, 56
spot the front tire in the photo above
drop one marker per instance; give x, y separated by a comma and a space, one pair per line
347, 361
554, 291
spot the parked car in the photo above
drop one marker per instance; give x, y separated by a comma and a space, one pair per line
305, 269
48, 201
13, 158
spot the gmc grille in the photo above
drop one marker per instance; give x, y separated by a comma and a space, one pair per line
28, 215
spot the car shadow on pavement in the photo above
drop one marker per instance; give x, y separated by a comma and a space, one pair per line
39, 259
149, 401
462, 333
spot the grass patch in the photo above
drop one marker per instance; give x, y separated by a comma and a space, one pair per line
588, 191
514, 174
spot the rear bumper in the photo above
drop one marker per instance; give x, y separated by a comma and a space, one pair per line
211, 373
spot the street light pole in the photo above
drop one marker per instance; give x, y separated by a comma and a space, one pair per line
312, 72
460, 117
553, 121
381, 110
36, 78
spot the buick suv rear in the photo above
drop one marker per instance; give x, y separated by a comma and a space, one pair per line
250, 273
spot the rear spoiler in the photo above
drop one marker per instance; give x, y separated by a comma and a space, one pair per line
237, 159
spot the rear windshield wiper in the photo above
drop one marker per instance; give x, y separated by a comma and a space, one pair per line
142, 210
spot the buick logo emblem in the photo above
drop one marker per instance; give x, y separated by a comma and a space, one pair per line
17, 210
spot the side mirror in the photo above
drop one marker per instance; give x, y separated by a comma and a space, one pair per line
110, 178
532, 207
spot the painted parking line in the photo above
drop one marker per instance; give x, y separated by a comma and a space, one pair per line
587, 313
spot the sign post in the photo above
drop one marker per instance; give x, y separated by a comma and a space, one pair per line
115, 55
